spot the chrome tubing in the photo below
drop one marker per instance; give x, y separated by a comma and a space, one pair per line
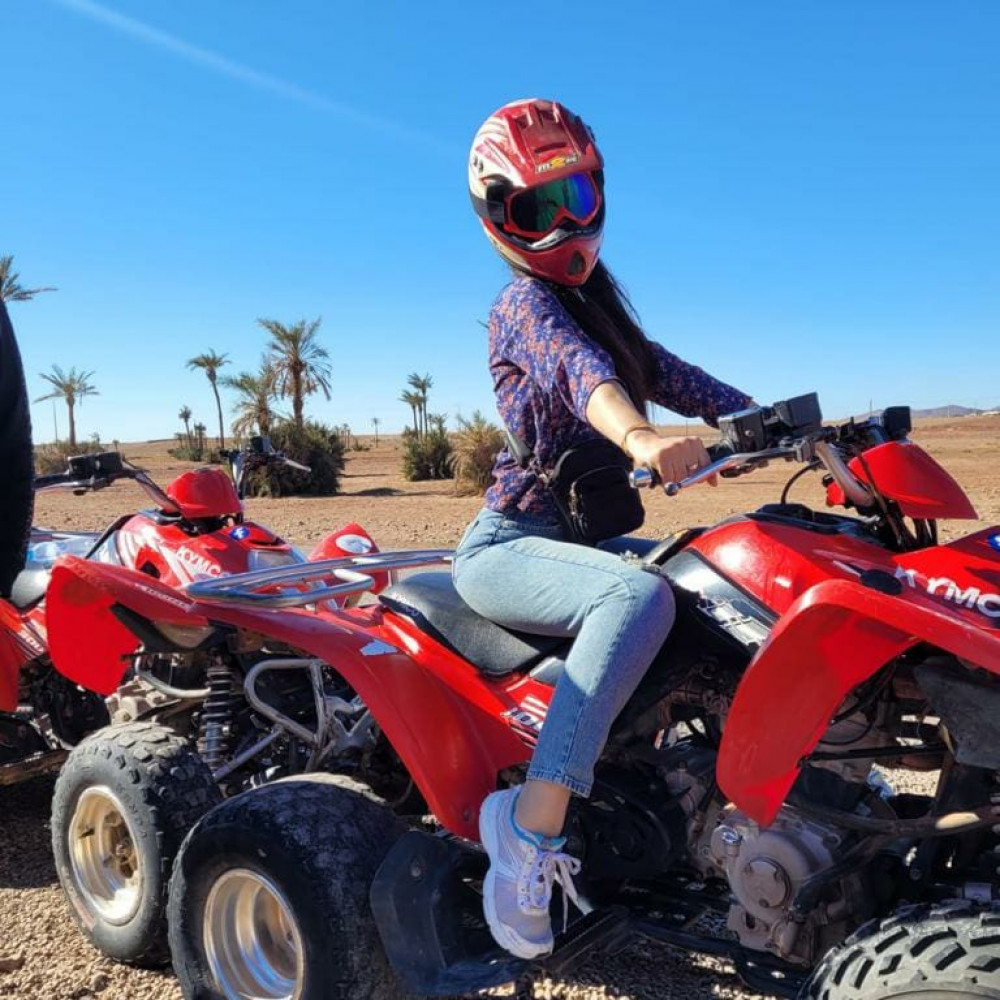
244, 588
855, 491
639, 478
241, 758
326, 710
182, 694
314, 667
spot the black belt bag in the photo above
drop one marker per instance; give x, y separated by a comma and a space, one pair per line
590, 485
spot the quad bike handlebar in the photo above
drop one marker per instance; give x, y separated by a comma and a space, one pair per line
257, 454
791, 430
88, 473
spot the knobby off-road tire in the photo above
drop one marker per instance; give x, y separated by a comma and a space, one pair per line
314, 845
922, 952
124, 802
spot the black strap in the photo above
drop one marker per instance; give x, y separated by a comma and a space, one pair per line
519, 449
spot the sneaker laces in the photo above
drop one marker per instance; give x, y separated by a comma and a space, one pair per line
547, 868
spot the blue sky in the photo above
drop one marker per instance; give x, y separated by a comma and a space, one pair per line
803, 194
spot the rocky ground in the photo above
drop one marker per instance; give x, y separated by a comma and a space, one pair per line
42, 955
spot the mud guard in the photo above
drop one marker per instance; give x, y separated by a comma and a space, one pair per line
431, 921
835, 636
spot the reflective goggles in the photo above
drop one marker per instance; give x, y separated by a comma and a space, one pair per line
533, 213
536, 211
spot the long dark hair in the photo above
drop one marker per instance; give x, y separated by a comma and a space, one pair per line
603, 311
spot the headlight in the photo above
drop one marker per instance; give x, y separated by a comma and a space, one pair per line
270, 558
184, 636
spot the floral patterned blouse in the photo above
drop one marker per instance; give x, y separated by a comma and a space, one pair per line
544, 369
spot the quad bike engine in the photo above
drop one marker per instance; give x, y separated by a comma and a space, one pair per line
765, 869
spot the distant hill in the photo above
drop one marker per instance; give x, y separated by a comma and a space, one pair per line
952, 410
949, 411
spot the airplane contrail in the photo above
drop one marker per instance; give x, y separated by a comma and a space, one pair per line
217, 63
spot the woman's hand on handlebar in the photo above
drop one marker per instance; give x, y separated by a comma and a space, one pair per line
673, 459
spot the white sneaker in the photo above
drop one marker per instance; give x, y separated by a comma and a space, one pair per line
518, 886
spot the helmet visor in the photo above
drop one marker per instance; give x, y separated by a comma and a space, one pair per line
535, 211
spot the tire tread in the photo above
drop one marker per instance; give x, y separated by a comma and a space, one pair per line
920, 946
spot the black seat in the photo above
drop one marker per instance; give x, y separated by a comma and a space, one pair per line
29, 588
431, 601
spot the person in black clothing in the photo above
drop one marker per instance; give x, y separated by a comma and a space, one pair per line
16, 460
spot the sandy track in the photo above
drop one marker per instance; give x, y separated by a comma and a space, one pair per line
41, 951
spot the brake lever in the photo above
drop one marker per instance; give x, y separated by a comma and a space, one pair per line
734, 465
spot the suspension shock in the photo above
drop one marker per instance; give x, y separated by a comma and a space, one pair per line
215, 729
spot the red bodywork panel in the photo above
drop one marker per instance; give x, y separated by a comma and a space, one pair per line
12, 657
22, 639
177, 557
350, 540
836, 633
453, 728
904, 472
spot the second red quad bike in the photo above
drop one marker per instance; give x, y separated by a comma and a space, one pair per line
189, 725
747, 783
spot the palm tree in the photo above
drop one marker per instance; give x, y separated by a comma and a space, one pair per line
253, 406
299, 362
11, 289
185, 415
412, 400
71, 386
200, 430
210, 363
375, 423
422, 384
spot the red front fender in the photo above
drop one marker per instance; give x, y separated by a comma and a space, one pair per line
836, 635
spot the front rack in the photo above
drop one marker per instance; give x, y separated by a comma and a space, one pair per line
349, 572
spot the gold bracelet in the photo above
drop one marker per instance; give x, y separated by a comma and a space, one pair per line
642, 426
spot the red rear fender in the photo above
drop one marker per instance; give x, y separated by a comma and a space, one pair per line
834, 637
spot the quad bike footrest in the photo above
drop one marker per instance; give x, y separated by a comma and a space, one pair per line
429, 912
46, 762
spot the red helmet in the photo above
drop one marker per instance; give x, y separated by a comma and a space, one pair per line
203, 493
537, 183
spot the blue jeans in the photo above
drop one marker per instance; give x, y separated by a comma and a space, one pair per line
520, 573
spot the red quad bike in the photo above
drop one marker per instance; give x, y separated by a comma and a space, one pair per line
188, 726
742, 785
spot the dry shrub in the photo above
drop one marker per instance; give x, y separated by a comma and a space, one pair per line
316, 445
476, 445
427, 456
